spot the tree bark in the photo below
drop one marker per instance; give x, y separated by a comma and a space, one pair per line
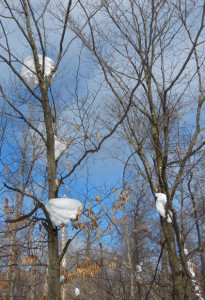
53, 266
64, 261
181, 283
54, 289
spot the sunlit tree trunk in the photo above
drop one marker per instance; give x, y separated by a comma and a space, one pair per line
63, 264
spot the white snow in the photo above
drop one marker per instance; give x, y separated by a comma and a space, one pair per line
160, 203
194, 282
138, 268
63, 210
191, 269
77, 291
185, 251
60, 147
28, 71
160, 206
169, 217
138, 271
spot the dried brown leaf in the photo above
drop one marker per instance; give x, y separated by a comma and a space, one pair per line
68, 165
97, 198
7, 170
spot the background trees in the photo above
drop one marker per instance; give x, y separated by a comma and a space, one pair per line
134, 73
161, 43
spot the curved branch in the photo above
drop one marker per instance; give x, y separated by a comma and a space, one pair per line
22, 115
24, 216
105, 137
66, 246
41, 205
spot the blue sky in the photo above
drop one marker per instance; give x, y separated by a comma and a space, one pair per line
101, 169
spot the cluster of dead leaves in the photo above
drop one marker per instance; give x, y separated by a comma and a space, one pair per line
29, 260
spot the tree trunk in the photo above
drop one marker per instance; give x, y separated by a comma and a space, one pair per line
64, 261
53, 266
130, 262
180, 281
54, 289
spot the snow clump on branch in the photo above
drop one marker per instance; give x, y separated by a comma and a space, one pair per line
138, 271
160, 206
28, 71
63, 210
77, 291
60, 147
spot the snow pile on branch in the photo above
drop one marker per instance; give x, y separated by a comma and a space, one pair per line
138, 271
60, 147
138, 268
28, 71
160, 206
194, 282
63, 210
77, 291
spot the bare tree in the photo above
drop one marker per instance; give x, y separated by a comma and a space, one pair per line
33, 28
159, 43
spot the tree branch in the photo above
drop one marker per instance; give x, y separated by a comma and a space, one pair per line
41, 205
24, 216
66, 246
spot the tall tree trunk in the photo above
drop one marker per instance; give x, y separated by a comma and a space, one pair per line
165, 269
54, 290
53, 266
64, 261
130, 261
197, 224
11, 275
181, 283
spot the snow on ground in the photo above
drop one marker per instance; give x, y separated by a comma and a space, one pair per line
63, 210
160, 206
28, 71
